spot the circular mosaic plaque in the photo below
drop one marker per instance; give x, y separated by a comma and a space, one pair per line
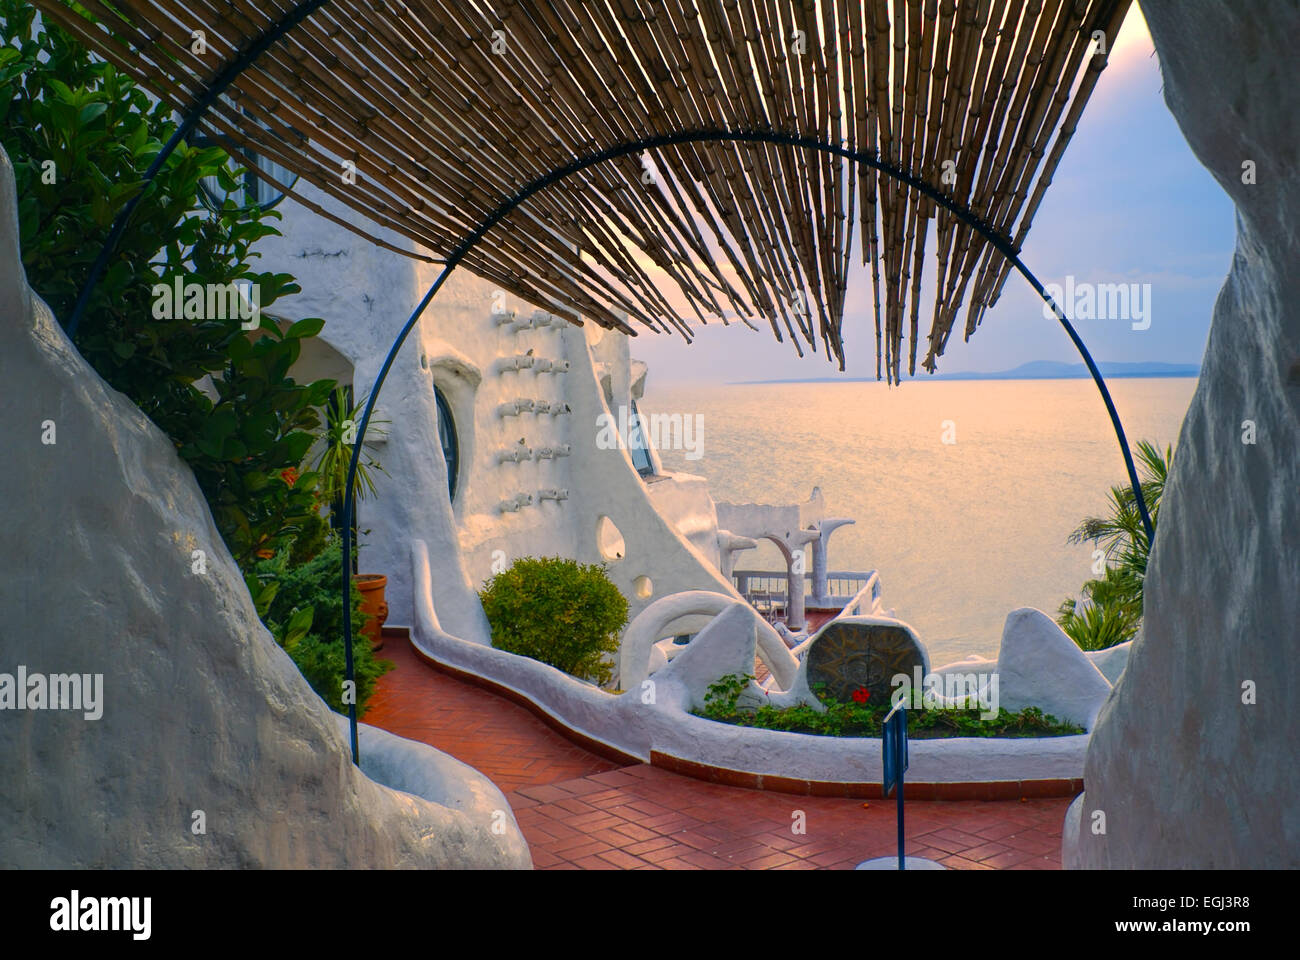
848, 657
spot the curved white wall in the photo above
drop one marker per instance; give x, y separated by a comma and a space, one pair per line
366, 294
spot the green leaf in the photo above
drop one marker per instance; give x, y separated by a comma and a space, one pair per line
61, 90
233, 449
262, 599
91, 112
221, 424
317, 393
297, 446
305, 328
298, 626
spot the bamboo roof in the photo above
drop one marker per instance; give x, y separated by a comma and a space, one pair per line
449, 107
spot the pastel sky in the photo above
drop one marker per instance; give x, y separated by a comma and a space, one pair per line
1129, 203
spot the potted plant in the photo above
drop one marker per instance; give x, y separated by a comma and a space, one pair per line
342, 421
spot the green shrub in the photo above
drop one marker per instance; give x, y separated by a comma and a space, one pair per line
558, 611
852, 719
302, 607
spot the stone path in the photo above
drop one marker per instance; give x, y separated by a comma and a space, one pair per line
581, 811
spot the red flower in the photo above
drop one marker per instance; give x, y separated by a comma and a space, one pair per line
861, 695
289, 476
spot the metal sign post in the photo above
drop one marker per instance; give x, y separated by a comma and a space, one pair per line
894, 762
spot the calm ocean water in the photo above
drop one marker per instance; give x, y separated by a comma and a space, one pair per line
961, 533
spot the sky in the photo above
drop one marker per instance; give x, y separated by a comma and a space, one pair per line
1129, 203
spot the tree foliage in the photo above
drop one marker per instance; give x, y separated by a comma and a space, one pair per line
81, 135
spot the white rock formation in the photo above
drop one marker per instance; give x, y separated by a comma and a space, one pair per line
1192, 762
417, 768
725, 647
1039, 666
1111, 661
204, 718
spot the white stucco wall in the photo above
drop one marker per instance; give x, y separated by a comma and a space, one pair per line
637, 723
366, 294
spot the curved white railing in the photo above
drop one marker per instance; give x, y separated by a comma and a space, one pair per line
651, 625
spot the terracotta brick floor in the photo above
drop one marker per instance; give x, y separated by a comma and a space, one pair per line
581, 811
499, 738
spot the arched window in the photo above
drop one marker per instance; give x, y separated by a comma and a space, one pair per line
243, 186
450, 445
250, 190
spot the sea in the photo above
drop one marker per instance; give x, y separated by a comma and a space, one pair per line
963, 492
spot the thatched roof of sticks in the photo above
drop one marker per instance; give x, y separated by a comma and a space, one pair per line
449, 107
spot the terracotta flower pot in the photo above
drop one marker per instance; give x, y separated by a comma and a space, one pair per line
373, 605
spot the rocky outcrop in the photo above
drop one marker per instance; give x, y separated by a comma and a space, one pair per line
1039, 666
204, 747
1192, 760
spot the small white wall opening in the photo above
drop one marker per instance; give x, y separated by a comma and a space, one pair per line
609, 540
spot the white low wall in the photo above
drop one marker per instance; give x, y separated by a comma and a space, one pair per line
631, 726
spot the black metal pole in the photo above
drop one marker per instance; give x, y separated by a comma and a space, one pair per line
902, 859
962, 213
348, 499
299, 13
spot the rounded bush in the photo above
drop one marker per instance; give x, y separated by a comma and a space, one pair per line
558, 611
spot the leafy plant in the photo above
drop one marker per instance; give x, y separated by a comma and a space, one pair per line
558, 611
342, 422
1110, 614
861, 718
80, 135
302, 607
1110, 611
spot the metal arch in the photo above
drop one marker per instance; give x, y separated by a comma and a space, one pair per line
210, 96
1003, 244
303, 10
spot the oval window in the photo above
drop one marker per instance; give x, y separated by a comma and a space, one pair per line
450, 445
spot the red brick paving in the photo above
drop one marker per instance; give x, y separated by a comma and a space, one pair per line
501, 739
581, 811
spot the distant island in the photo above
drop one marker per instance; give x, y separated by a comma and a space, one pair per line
1034, 370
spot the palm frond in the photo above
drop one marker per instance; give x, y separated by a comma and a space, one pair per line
1111, 610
